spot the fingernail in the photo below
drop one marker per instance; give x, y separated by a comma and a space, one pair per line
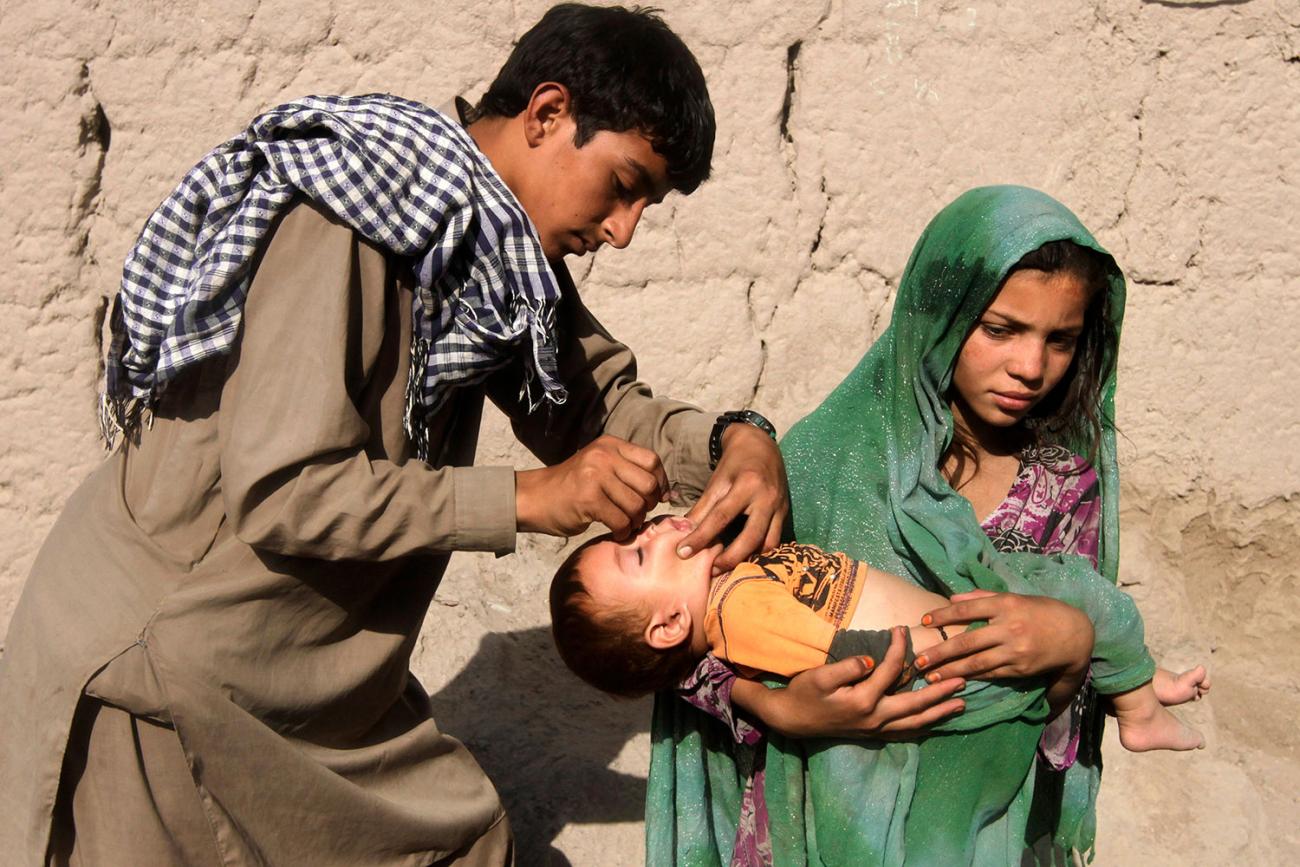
961, 706
961, 684
868, 662
922, 661
932, 677
926, 620
684, 551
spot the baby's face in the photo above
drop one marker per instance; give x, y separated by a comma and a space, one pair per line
645, 571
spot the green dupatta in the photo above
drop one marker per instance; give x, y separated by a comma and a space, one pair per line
864, 480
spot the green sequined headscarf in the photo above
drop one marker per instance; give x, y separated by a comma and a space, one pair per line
864, 479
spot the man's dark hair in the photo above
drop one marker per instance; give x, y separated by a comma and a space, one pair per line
625, 70
606, 648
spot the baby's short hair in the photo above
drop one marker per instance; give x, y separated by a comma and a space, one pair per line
606, 646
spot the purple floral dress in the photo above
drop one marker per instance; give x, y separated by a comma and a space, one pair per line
1054, 507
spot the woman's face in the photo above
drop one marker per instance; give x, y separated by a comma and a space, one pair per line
1021, 347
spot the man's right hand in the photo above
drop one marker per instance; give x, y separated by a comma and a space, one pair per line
610, 481
847, 699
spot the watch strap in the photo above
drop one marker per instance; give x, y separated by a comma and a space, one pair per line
738, 416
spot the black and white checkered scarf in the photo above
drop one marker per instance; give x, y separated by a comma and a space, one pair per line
410, 180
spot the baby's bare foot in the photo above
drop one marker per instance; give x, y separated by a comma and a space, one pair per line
1157, 730
1174, 689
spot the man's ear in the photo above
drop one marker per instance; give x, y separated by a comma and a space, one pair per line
549, 105
668, 627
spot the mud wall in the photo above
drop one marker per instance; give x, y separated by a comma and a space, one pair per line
1170, 126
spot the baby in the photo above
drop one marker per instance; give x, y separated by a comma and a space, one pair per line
631, 618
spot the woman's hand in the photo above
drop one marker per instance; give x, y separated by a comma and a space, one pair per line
848, 699
1025, 636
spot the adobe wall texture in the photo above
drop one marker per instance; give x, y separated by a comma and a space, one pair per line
1170, 126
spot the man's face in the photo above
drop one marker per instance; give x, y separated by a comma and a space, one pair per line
582, 197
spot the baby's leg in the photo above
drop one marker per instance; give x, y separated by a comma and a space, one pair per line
1145, 724
1174, 689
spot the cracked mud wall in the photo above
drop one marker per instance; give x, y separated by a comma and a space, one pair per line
1170, 126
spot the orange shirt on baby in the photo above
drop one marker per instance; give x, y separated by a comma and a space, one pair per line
778, 612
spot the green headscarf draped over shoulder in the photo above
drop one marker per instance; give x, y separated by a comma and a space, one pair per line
864, 479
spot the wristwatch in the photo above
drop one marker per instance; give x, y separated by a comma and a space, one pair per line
743, 416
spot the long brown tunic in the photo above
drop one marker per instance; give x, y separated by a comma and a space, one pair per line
254, 571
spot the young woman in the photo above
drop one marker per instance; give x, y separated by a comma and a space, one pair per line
971, 449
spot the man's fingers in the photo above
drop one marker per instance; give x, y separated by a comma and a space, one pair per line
708, 525
714, 491
618, 522
774, 528
645, 484
647, 460
618, 503
747, 543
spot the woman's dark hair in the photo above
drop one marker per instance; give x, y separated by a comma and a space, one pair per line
625, 70
606, 648
1072, 413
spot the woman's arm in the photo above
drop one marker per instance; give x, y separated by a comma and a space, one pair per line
848, 699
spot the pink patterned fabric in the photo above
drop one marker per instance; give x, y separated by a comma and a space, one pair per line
1054, 507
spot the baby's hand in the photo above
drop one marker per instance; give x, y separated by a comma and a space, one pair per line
1174, 689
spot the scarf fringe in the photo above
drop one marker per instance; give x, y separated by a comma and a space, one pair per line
120, 418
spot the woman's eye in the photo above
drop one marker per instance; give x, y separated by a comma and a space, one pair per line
994, 330
1064, 341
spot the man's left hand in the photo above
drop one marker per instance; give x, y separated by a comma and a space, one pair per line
750, 481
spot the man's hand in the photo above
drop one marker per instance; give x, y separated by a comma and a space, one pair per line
749, 480
611, 481
848, 699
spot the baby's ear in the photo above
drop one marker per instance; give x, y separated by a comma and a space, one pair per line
668, 627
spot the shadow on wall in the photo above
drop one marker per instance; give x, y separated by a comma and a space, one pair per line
545, 738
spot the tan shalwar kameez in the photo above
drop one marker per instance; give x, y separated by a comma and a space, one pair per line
228, 607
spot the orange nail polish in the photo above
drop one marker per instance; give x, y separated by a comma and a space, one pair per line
922, 661
926, 620
869, 662
932, 677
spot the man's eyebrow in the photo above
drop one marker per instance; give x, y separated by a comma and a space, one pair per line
643, 179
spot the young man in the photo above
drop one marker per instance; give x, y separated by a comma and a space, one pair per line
209, 664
